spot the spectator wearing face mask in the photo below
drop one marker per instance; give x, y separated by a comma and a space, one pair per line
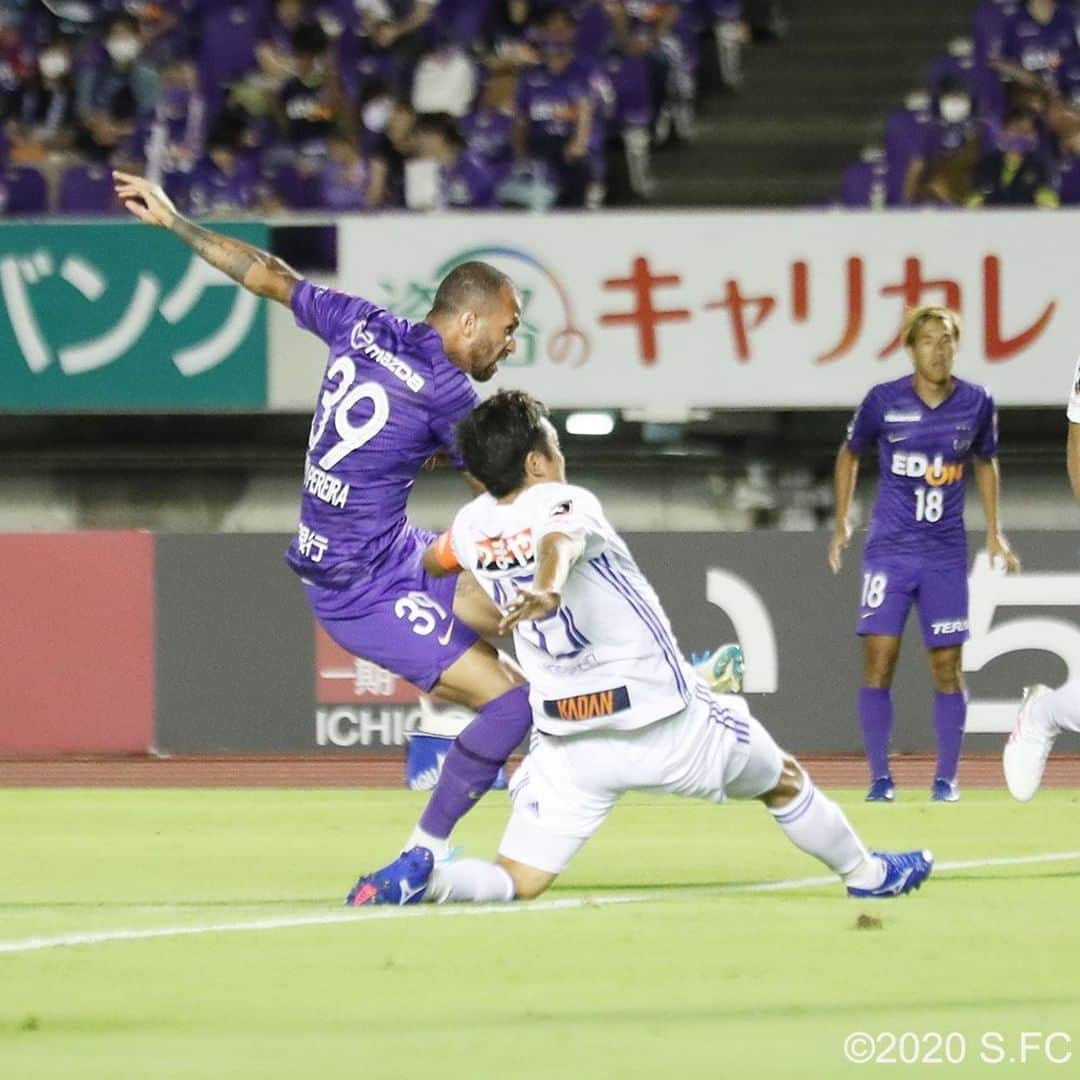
463, 181
1016, 172
943, 171
555, 110
43, 118
112, 95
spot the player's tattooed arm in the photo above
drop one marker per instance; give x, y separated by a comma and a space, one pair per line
257, 270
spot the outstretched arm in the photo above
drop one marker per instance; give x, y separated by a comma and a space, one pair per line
555, 558
258, 271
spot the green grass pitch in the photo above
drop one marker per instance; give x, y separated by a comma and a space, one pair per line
694, 979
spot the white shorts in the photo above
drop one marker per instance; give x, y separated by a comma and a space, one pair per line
566, 787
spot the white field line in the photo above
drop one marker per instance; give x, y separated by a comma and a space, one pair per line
419, 911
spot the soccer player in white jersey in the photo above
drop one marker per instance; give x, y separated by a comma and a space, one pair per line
1044, 713
615, 706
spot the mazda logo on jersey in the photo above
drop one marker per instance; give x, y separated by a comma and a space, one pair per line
589, 706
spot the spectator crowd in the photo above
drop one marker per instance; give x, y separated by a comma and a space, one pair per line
998, 123
259, 105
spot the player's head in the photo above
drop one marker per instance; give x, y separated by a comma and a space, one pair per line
476, 311
931, 335
509, 443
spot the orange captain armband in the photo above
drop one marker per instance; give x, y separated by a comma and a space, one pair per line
444, 554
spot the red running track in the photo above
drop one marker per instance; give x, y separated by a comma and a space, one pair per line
388, 770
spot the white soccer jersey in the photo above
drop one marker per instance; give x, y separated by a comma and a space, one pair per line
607, 658
1074, 397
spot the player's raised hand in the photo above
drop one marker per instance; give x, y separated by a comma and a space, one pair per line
529, 604
1001, 555
147, 201
841, 539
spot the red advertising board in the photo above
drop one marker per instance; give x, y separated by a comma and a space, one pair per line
77, 641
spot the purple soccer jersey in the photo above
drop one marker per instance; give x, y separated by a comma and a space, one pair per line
390, 398
550, 102
469, 184
923, 455
1038, 48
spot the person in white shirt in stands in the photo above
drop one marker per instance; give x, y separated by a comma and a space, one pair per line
615, 706
1044, 713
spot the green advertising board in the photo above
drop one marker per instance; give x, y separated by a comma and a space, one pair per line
122, 316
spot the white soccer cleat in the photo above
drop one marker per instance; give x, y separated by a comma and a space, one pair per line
1028, 747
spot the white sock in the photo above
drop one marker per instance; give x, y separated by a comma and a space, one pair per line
438, 846
819, 827
469, 879
1060, 709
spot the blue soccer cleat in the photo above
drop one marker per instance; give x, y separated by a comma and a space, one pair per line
882, 790
722, 669
404, 881
903, 873
944, 791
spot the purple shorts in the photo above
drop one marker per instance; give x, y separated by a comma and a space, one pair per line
409, 629
891, 585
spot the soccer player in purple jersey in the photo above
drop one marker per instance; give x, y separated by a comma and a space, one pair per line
390, 398
927, 428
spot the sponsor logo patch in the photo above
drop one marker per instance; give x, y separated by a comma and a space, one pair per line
589, 706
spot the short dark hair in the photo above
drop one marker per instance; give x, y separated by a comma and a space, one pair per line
497, 437
470, 285
309, 39
442, 124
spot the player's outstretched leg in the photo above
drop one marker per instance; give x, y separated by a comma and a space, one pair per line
1043, 714
471, 766
817, 825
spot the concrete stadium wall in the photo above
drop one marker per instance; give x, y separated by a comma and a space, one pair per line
189, 644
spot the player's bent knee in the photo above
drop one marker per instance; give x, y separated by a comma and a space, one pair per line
529, 882
477, 677
792, 779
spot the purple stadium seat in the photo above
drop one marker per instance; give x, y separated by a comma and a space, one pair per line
87, 189
27, 190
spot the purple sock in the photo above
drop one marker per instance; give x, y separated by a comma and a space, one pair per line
876, 720
950, 715
475, 758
